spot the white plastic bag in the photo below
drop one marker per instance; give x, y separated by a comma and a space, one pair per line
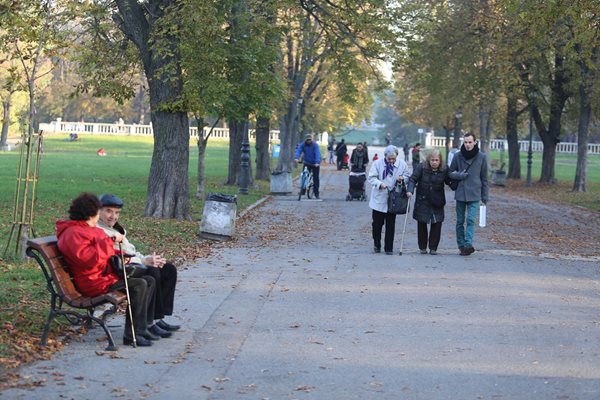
482, 215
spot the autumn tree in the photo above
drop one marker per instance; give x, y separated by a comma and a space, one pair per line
120, 37
327, 39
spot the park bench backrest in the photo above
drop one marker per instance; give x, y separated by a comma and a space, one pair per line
63, 282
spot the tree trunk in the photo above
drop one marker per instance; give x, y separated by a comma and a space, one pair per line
168, 180
202, 144
5, 121
447, 136
263, 159
512, 137
550, 136
457, 134
237, 130
235, 152
585, 113
140, 106
485, 126
168, 185
286, 137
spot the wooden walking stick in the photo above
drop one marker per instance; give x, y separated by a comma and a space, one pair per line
127, 294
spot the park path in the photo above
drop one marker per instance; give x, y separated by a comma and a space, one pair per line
298, 307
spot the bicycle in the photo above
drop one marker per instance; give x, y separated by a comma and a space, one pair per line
305, 184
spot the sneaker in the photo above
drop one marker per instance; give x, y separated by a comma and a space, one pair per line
469, 250
389, 253
423, 251
461, 251
433, 252
377, 249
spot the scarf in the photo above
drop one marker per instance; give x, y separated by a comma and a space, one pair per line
469, 154
389, 169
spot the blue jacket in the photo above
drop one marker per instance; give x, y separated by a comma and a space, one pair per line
312, 153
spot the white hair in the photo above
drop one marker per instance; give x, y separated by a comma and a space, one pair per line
391, 149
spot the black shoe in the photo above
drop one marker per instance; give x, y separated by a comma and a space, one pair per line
156, 330
461, 251
469, 250
139, 341
377, 249
148, 335
389, 253
167, 327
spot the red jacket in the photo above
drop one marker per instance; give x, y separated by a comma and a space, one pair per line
86, 250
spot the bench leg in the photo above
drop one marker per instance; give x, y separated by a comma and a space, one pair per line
102, 322
44, 338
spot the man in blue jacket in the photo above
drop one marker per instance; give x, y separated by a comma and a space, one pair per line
309, 152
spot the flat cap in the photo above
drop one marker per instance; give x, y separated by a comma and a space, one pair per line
110, 200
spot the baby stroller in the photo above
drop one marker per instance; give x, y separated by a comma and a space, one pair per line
357, 186
345, 161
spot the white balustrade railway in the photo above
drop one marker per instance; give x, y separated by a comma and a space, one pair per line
94, 128
498, 144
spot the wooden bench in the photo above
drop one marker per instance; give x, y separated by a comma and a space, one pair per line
62, 291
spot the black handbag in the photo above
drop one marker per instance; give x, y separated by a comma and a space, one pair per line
397, 199
453, 184
132, 269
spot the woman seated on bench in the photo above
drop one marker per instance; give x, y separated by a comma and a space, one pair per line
87, 250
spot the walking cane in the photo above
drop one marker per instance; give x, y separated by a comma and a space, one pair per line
404, 228
127, 294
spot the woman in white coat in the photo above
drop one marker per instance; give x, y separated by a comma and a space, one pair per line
383, 175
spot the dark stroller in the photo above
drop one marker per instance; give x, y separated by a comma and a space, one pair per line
345, 161
357, 186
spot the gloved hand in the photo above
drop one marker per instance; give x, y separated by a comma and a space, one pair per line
461, 176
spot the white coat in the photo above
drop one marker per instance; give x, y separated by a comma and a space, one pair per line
378, 200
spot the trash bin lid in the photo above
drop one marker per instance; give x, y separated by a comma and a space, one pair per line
221, 197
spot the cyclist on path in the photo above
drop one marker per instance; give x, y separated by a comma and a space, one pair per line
309, 152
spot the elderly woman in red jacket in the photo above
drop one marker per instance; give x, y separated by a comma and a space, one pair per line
87, 250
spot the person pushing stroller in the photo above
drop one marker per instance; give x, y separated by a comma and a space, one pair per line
358, 174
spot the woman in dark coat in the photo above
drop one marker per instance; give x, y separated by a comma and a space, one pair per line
429, 178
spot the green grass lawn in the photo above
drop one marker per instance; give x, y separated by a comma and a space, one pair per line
564, 168
67, 169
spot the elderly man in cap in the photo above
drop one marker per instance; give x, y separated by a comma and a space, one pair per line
311, 154
164, 273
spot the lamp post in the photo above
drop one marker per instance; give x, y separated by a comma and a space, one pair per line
529, 151
245, 161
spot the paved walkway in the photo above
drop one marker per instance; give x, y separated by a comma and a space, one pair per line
298, 307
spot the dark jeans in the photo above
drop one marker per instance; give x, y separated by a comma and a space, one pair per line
141, 294
339, 162
315, 172
166, 280
433, 238
389, 220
